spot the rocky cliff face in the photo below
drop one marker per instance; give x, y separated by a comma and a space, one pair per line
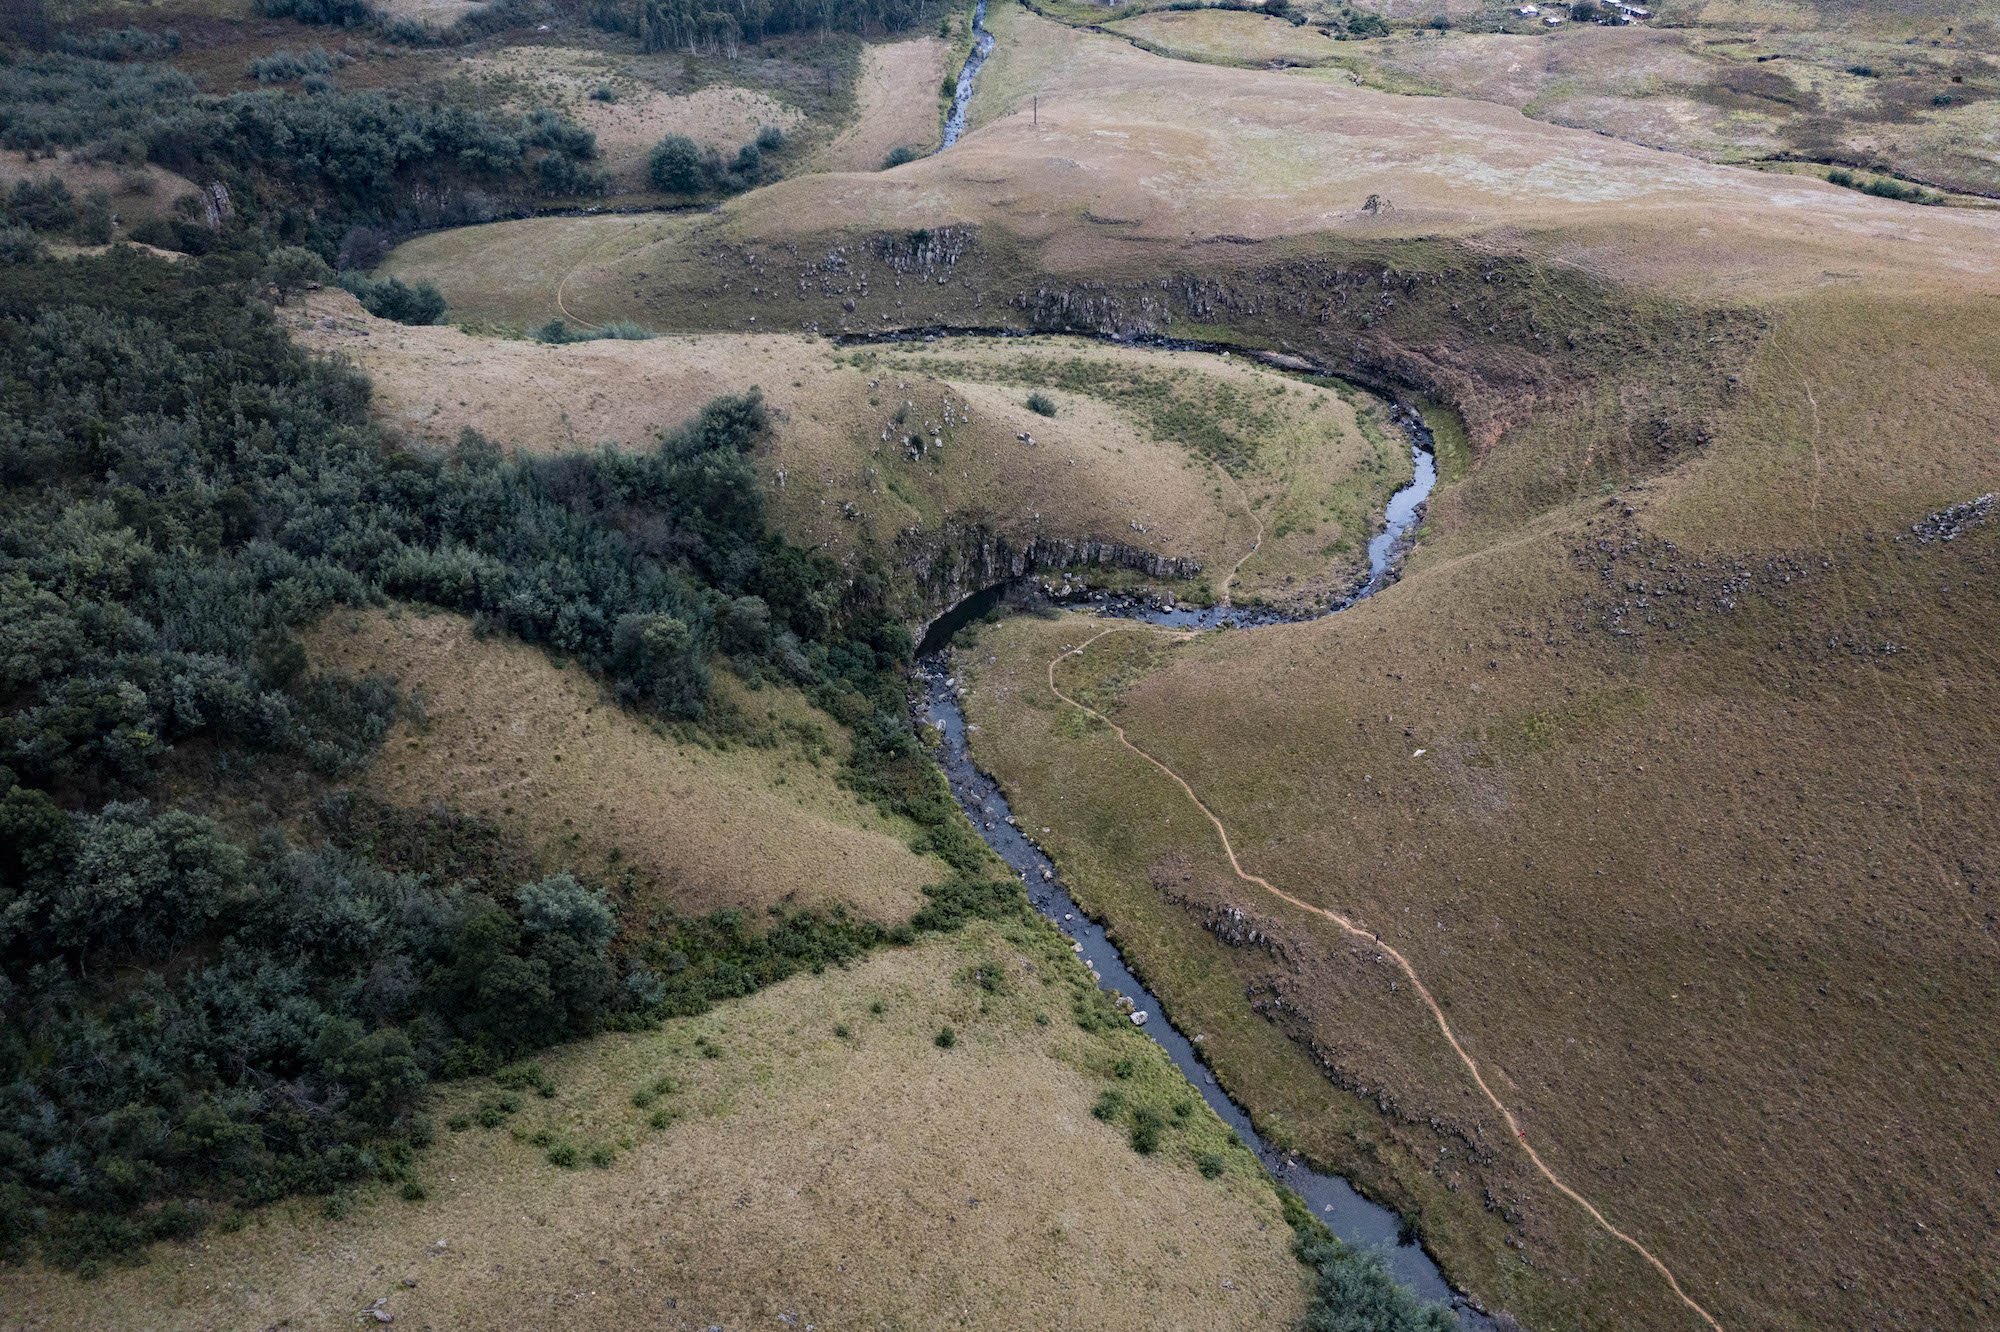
950, 564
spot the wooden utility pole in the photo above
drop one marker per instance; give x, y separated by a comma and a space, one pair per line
1035, 108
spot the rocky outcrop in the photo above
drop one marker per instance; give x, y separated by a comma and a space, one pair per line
951, 564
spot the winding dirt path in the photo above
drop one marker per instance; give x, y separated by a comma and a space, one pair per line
1350, 926
1256, 542
562, 285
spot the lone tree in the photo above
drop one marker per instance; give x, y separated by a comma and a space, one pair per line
677, 167
291, 269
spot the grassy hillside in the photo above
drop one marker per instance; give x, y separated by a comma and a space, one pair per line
1608, 895
746, 815
810, 1153
1677, 800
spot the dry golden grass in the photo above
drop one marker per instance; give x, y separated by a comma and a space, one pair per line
1313, 477
1706, 905
1705, 901
509, 735
898, 92
876, 1181
1230, 36
1137, 159
1727, 91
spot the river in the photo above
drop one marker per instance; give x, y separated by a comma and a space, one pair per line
961, 98
1352, 1217
1355, 1219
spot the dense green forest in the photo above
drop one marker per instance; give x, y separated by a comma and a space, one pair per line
718, 26
195, 1017
299, 168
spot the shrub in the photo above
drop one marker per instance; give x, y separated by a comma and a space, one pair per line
564, 1155
291, 269
44, 205
1353, 1290
945, 1039
557, 332
392, 298
526, 1076
678, 166
340, 13
1210, 1164
1110, 1104
1146, 1126
119, 44
604, 92
770, 138
19, 245
1884, 189
1041, 404
901, 154
284, 66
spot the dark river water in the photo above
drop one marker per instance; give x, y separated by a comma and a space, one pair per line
1355, 1219
961, 99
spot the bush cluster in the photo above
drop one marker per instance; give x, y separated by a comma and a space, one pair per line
120, 44
285, 66
392, 298
681, 166
557, 332
1884, 188
700, 26
49, 208
306, 168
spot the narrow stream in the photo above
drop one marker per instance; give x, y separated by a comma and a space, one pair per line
961, 100
1353, 1218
